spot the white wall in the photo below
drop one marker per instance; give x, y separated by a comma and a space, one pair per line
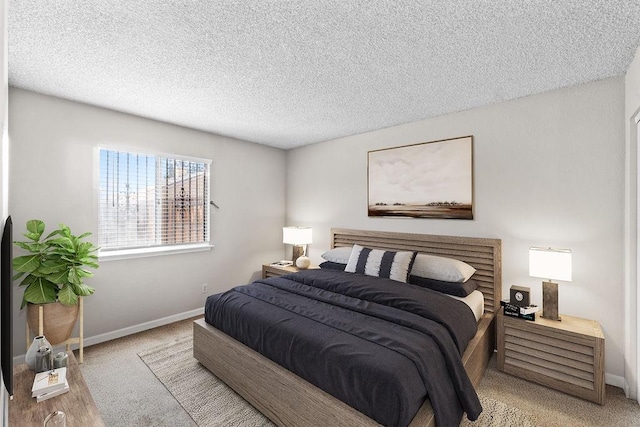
631, 299
548, 171
53, 178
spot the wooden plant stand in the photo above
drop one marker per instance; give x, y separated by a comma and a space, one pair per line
72, 340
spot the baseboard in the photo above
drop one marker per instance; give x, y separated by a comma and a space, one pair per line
627, 390
615, 380
130, 330
141, 327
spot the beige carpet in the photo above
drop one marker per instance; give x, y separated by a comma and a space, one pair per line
211, 403
498, 414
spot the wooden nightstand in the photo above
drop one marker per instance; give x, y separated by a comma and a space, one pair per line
565, 355
271, 271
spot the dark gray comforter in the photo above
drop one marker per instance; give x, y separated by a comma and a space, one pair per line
376, 344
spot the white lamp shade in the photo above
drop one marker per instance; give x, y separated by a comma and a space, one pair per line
551, 264
297, 235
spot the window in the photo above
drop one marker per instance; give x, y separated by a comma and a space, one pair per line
152, 203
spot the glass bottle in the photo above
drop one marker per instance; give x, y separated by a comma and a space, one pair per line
32, 352
43, 359
61, 360
56, 419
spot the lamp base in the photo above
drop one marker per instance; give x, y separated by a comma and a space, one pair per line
298, 251
550, 301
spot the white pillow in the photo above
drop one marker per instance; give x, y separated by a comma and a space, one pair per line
376, 262
340, 255
441, 268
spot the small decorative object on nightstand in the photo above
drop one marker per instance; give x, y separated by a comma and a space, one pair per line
56, 419
567, 356
303, 262
519, 295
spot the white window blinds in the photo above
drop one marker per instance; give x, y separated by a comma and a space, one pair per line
149, 201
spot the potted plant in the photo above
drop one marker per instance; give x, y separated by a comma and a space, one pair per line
53, 274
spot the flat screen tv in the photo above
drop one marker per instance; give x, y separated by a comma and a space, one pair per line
6, 306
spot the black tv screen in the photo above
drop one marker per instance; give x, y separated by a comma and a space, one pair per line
6, 304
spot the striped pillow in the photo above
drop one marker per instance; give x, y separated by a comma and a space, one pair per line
375, 262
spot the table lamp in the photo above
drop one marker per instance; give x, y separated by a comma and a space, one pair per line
299, 237
550, 264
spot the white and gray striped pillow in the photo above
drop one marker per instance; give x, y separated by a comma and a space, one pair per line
375, 262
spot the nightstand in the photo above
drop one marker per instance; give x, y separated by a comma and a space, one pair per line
566, 355
272, 271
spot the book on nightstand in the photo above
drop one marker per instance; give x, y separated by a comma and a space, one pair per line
49, 382
527, 312
282, 263
54, 393
530, 309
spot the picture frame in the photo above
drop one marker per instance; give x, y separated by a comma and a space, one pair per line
426, 180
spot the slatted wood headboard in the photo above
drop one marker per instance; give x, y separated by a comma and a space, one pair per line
483, 254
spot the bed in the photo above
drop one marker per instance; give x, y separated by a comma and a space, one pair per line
288, 400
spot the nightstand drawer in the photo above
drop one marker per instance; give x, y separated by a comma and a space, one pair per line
567, 355
269, 273
273, 271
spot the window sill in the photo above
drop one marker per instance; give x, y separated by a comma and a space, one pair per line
150, 252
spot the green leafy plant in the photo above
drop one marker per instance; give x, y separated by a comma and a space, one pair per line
56, 266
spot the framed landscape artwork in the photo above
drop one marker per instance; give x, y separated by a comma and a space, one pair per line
427, 180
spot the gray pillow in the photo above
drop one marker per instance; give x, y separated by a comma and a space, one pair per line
340, 255
441, 268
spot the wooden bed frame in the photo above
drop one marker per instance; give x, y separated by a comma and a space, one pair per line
288, 400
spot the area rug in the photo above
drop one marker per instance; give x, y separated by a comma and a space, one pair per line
208, 401
211, 403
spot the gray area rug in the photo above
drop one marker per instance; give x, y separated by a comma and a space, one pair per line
210, 402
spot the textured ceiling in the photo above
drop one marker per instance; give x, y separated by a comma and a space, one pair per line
289, 73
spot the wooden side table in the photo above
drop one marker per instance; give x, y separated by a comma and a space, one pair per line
77, 404
269, 270
566, 355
